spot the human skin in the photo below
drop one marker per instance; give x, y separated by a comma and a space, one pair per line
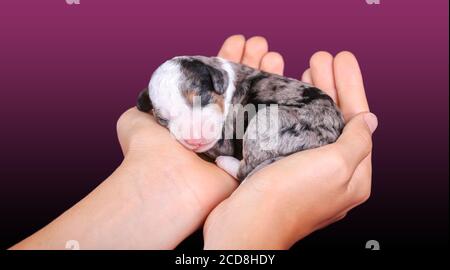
162, 192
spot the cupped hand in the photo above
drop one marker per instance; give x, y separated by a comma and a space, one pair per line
306, 191
186, 186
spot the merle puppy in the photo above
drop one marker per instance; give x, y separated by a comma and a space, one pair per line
217, 107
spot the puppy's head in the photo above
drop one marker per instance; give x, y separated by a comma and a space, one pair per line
190, 96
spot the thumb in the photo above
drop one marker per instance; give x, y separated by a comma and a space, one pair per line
355, 142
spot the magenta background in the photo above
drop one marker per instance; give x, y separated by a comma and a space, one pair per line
68, 72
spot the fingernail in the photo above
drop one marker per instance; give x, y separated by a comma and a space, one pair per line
371, 121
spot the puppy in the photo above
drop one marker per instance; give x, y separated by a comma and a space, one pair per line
243, 118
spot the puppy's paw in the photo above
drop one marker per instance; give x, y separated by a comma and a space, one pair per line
229, 164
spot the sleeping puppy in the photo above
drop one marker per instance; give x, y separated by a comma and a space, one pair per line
243, 118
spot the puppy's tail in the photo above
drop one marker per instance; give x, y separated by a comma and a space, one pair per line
144, 104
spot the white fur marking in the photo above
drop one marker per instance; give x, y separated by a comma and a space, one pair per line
229, 92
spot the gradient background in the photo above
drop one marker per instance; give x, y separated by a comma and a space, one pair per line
68, 72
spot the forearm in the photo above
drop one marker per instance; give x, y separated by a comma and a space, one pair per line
131, 209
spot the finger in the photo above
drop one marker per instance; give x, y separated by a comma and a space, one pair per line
255, 49
355, 142
349, 85
233, 48
321, 64
272, 62
306, 76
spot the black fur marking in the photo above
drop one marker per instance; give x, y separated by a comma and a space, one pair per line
305, 126
329, 129
144, 104
245, 89
292, 130
238, 148
312, 93
207, 78
297, 129
285, 80
220, 142
255, 79
205, 98
299, 103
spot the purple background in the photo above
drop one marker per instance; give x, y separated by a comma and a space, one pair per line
68, 72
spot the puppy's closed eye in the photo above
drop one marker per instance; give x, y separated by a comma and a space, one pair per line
161, 120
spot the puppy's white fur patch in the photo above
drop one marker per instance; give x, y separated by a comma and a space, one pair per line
164, 91
183, 123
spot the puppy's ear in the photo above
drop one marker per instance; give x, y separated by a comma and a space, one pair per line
144, 104
209, 76
219, 80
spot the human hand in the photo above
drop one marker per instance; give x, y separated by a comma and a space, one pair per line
170, 174
291, 198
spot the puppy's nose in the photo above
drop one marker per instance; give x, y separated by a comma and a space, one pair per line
196, 142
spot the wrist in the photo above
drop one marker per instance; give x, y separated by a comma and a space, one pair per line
167, 209
259, 216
